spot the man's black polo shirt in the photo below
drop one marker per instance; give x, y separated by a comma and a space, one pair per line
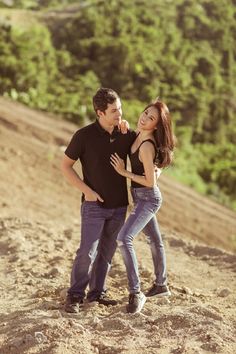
94, 146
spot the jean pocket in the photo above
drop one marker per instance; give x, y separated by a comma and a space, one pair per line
90, 209
156, 203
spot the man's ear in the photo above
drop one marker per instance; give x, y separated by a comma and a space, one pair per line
100, 113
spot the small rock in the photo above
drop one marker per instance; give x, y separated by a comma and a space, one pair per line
99, 326
14, 258
96, 320
205, 257
76, 325
187, 291
163, 301
155, 328
95, 343
47, 305
40, 293
30, 282
79, 327
28, 338
54, 272
194, 301
224, 292
68, 233
63, 293
198, 293
56, 314
16, 342
179, 350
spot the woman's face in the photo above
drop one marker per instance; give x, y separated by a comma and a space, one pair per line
148, 119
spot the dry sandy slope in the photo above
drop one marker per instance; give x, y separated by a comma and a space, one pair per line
39, 233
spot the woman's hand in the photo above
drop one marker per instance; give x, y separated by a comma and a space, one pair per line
124, 126
118, 164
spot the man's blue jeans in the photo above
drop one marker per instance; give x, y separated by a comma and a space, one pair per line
99, 230
147, 201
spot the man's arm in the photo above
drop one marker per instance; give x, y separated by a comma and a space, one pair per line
74, 179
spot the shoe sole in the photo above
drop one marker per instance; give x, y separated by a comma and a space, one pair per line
72, 311
167, 293
102, 303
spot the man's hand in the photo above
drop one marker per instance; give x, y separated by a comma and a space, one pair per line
93, 197
124, 126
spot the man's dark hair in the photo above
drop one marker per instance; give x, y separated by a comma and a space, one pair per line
102, 97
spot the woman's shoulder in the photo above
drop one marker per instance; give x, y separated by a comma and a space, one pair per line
148, 148
148, 144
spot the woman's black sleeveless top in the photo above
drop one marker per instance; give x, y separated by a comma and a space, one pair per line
136, 164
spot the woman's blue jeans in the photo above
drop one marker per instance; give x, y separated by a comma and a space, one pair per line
147, 201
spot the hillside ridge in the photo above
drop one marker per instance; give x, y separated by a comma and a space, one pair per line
40, 233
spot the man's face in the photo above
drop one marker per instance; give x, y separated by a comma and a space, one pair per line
113, 113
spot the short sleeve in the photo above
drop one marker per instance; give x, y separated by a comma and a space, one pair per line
133, 135
75, 148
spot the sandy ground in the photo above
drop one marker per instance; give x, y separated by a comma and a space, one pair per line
40, 232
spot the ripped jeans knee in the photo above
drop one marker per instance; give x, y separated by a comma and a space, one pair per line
120, 243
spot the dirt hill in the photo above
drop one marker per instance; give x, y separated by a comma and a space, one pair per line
40, 231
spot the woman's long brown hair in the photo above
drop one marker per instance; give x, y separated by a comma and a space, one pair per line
163, 135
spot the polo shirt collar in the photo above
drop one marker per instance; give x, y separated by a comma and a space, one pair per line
103, 131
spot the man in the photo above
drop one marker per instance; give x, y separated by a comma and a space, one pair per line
104, 197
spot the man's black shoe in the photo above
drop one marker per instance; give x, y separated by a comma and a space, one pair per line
103, 299
158, 290
73, 303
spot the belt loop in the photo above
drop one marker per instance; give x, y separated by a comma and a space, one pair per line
133, 191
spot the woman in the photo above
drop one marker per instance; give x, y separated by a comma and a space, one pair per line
154, 144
